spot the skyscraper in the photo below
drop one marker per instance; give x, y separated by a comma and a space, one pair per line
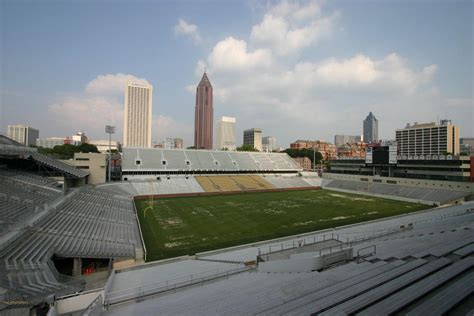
23, 134
137, 115
371, 129
269, 143
203, 115
428, 139
253, 137
226, 133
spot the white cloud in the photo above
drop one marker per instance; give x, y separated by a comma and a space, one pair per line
232, 55
289, 27
101, 104
187, 29
166, 126
111, 84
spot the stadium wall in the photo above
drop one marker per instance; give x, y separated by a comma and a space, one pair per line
420, 183
161, 196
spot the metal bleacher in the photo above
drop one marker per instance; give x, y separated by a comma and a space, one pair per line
21, 199
148, 159
423, 194
58, 165
432, 275
88, 223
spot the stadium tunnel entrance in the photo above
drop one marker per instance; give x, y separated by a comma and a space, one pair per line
81, 266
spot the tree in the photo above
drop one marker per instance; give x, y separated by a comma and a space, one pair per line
246, 148
67, 151
87, 148
305, 152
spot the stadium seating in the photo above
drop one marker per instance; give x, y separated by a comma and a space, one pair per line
22, 197
58, 165
286, 182
232, 183
136, 159
423, 194
89, 223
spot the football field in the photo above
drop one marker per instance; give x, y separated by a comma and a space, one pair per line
187, 225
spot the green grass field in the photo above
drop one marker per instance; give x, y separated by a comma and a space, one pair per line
187, 225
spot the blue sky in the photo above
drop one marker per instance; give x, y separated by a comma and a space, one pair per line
296, 69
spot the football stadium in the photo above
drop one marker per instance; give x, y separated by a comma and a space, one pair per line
189, 232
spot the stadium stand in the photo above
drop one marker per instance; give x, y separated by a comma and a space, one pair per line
392, 280
426, 195
287, 182
58, 165
232, 183
140, 161
88, 223
22, 197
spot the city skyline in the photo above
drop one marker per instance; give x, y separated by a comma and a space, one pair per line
314, 89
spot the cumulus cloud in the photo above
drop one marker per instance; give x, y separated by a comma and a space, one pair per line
289, 27
112, 84
232, 55
166, 126
187, 29
100, 104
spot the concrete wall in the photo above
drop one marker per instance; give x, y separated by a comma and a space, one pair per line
94, 163
421, 183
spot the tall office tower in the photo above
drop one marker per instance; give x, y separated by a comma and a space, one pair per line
137, 115
253, 137
269, 143
203, 115
428, 139
371, 129
23, 134
226, 133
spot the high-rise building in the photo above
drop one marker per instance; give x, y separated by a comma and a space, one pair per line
80, 138
226, 133
253, 137
23, 134
467, 145
269, 143
203, 114
371, 129
340, 140
428, 139
50, 142
137, 115
178, 143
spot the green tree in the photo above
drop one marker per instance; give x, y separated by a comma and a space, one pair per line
305, 152
87, 148
246, 148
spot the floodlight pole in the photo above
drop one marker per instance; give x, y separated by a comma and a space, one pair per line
110, 130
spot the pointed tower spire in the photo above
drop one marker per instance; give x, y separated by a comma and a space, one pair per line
204, 114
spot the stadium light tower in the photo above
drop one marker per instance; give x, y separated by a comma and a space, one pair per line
110, 130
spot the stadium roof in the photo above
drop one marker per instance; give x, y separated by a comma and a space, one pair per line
59, 165
8, 141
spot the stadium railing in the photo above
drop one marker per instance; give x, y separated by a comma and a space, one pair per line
297, 244
170, 285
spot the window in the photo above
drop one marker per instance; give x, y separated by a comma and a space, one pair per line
163, 162
138, 162
82, 167
188, 162
83, 159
